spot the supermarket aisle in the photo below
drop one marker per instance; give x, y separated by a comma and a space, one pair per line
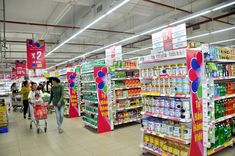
76, 140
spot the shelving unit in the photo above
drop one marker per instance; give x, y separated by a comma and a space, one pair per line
219, 108
126, 99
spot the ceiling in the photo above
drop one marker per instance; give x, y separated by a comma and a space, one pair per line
56, 20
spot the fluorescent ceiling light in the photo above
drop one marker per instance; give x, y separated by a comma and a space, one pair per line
214, 32
192, 16
229, 40
88, 26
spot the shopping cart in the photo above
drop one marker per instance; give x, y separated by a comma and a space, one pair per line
17, 103
50, 108
40, 113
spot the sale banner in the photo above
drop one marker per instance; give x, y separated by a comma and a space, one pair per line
194, 67
73, 100
100, 75
36, 54
167, 39
13, 74
113, 54
20, 67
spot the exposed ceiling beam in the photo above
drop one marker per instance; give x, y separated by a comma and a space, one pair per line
63, 26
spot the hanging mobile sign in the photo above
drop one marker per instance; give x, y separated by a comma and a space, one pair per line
20, 67
36, 54
171, 38
73, 100
113, 54
100, 75
194, 66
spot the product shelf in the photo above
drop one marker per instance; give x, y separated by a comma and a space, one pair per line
89, 101
156, 153
224, 97
128, 97
88, 91
128, 121
89, 112
214, 150
124, 88
90, 119
163, 59
120, 79
165, 136
87, 81
223, 118
88, 124
222, 61
87, 72
162, 76
224, 78
126, 69
127, 108
165, 117
165, 95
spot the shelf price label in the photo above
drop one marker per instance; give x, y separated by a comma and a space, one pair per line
194, 66
100, 75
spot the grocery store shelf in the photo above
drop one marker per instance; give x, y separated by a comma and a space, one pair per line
165, 95
88, 101
88, 91
123, 122
225, 97
223, 118
87, 81
88, 124
163, 59
214, 150
156, 153
89, 112
123, 88
128, 69
87, 72
129, 97
224, 78
165, 117
169, 137
126, 78
127, 108
222, 61
234, 140
162, 76
90, 119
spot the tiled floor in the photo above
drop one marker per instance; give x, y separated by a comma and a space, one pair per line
76, 140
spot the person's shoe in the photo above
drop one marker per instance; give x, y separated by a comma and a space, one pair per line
24, 117
29, 118
60, 131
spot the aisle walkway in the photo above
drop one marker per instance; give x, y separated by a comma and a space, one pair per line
76, 140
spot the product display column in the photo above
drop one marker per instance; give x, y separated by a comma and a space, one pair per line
220, 85
126, 104
3, 116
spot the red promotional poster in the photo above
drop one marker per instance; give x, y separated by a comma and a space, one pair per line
20, 67
36, 54
167, 39
194, 66
13, 74
100, 75
73, 101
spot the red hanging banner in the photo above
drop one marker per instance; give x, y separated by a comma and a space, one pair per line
73, 100
20, 67
100, 75
36, 54
194, 66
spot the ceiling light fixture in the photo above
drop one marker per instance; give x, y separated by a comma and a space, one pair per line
194, 15
88, 26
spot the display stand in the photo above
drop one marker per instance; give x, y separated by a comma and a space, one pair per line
126, 99
97, 113
3, 116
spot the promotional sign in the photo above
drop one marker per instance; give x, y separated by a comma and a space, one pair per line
20, 68
113, 54
73, 100
194, 66
171, 38
13, 74
36, 54
100, 75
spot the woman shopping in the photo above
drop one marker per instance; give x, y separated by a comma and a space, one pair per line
57, 99
25, 92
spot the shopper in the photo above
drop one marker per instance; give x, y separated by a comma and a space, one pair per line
25, 93
14, 88
32, 97
57, 99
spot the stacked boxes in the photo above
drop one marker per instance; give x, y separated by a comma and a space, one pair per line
3, 116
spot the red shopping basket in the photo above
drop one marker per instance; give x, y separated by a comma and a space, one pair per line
40, 111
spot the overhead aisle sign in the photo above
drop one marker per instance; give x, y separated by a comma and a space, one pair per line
113, 54
36, 54
20, 67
